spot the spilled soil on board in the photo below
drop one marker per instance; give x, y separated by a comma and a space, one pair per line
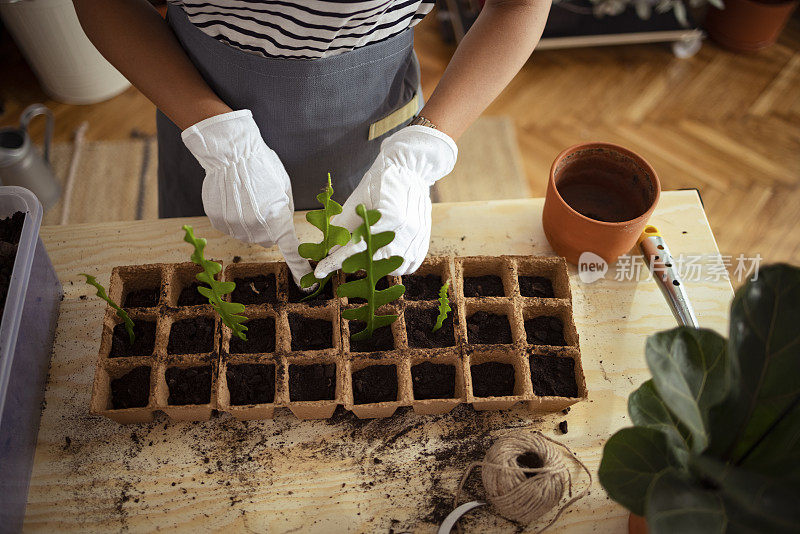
130, 477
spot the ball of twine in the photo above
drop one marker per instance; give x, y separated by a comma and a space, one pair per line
525, 494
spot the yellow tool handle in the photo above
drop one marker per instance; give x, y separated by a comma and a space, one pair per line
662, 265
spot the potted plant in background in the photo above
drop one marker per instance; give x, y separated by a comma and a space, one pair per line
576, 23
716, 441
644, 8
749, 25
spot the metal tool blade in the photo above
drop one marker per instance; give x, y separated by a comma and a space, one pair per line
662, 265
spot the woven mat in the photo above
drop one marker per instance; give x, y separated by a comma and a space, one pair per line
116, 180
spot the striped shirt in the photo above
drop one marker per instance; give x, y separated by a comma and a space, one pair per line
303, 29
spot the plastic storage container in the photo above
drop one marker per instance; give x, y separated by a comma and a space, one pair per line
26, 338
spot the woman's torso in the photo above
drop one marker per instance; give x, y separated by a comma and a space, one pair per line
303, 29
323, 116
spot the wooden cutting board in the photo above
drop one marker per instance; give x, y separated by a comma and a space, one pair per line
341, 475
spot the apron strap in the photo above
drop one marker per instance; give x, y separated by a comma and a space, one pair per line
395, 118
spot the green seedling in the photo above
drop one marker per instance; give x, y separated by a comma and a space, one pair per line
331, 235
229, 312
444, 306
375, 270
101, 292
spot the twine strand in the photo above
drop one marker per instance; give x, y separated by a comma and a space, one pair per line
521, 498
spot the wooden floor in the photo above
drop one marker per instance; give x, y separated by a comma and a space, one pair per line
726, 124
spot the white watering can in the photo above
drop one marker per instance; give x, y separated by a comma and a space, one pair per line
21, 163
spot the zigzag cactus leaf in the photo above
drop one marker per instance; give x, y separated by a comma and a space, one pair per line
101, 292
331, 235
229, 312
444, 307
375, 270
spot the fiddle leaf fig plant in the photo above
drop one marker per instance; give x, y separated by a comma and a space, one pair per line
331, 235
374, 271
444, 307
715, 445
101, 292
229, 312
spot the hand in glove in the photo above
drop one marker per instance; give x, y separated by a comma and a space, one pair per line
398, 185
246, 193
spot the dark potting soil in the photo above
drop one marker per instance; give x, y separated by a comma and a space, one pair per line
143, 344
376, 383
309, 333
485, 328
11, 228
131, 390
553, 376
492, 379
260, 289
382, 284
190, 296
530, 460
483, 286
10, 231
296, 294
191, 336
260, 337
422, 287
536, 286
314, 382
545, 330
142, 298
419, 325
251, 383
190, 385
382, 338
433, 380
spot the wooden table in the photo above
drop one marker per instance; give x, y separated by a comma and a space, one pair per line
341, 475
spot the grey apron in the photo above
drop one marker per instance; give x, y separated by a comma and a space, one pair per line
319, 116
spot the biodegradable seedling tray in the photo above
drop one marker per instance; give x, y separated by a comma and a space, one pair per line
518, 344
128, 389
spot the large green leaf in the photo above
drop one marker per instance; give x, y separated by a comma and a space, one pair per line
765, 347
778, 454
691, 374
632, 458
751, 498
646, 409
676, 504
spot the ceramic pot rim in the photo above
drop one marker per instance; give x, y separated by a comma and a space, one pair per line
609, 146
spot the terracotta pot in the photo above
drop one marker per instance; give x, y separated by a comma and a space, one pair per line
637, 524
599, 198
748, 25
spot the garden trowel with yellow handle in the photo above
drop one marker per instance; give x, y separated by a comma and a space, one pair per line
661, 264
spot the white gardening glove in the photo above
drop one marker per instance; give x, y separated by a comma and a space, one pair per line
246, 193
398, 185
